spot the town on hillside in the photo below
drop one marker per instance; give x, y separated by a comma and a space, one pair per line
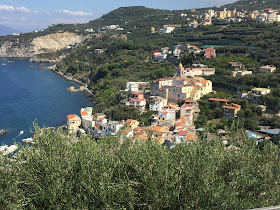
215, 71
175, 103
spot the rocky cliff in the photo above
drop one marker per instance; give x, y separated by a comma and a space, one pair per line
43, 44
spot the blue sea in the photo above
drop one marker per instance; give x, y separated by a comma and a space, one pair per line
28, 94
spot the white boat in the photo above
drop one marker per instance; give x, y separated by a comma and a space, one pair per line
27, 140
4, 64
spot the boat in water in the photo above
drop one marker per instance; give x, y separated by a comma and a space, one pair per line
27, 140
4, 64
30, 66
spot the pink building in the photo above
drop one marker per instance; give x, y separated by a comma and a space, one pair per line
137, 100
210, 53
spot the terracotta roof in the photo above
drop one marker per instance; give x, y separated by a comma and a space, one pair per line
160, 128
218, 99
232, 106
84, 113
204, 81
157, 128
127, 131
128, 121
183, 133
71, 116
191, 137
189, 106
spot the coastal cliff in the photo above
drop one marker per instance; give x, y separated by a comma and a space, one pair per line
50, 43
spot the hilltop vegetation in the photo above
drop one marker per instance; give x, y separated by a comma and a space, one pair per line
254, 4
58, 174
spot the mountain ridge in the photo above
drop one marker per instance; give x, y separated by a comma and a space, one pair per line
4, 30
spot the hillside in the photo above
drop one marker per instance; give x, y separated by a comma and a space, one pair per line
254, 4
4, 30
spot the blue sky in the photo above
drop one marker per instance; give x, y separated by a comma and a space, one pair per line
29, 15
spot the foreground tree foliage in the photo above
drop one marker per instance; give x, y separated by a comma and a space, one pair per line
60, 174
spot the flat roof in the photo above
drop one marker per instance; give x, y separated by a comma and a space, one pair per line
260, 89
275, 131
218, 99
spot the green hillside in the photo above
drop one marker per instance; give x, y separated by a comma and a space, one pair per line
254, 4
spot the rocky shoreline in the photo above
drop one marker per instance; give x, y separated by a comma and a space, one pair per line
3, 132
89, 95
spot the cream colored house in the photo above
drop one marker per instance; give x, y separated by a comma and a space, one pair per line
240, 73
268, 69
176, 89
73, 123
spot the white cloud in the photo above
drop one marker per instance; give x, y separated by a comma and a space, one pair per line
78, 13
23, 9
7, 8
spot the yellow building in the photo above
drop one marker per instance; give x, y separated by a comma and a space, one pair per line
221, 14
132, 124
73, 123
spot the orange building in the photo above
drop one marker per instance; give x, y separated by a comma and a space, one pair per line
230, 110
210, 53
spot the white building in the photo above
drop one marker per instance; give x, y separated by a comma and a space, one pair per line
112, 128
87, 120
134, 86
256, 93
156, 103
240, 73
211, 13
194, 71
89, 30
166, 30
273, 17
177, 52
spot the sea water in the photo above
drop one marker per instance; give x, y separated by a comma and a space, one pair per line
28, 94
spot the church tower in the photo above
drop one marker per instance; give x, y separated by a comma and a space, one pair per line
180, 70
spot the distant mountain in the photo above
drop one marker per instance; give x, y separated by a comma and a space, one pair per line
4, 30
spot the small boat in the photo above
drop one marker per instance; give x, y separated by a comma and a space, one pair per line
27, 140
4, 64
30, 66
21, 132
10, 61
3, 132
